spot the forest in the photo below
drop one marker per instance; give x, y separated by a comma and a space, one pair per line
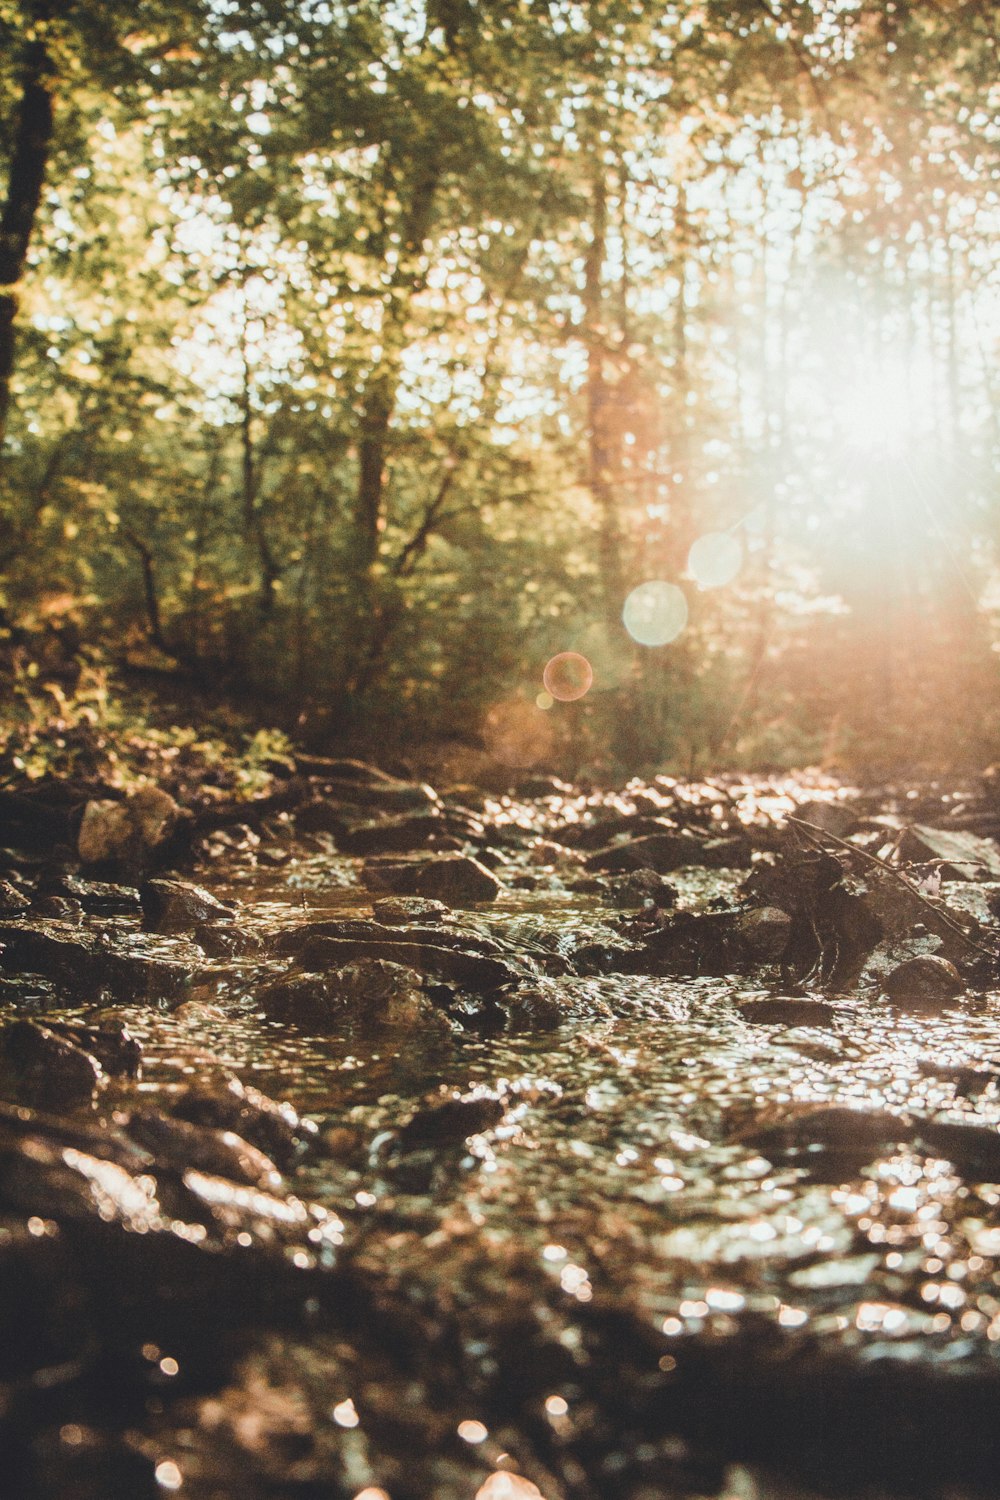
499, 750
358, 359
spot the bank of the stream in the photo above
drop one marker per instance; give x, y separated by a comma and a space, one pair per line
634, 1145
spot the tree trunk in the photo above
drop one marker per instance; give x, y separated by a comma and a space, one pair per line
379, 401
601, 455
29, 158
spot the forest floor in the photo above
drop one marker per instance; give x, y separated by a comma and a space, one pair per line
361, 1137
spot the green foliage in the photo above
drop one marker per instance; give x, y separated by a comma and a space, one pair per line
368, 354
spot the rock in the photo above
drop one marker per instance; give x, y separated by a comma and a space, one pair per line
923, 982
719, 942
99, 898
179, 905
183, 1144
640, 887
85, 964
764, 933
963, 856
473, 971
304, 998
451, 1117
395, 911
57, 909
458, 880
373, 990
270, 1124
12, 902
128, 833
105, 833
661, 852
116, 1049
787, 1012
858, 1134
833, 817
51, 1071
397, 835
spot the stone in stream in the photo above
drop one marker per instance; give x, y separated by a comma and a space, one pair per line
396, 911
719, 942
182, 1258
664, 852
272, 1125
87, 963
179, 905
110, 1041
449, 1118
368, 991
12, 901
923, 982
182, 1144
392, 835
471, 970
789, 1011
50, 1071
129, 833
643, 887
456, 879
99, 898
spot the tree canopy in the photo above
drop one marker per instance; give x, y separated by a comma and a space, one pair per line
368, 356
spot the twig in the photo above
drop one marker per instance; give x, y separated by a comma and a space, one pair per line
820, 834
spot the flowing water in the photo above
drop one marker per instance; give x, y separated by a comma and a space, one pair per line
619, 1291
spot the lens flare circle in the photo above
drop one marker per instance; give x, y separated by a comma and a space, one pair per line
568, 676
715, 559
655, 613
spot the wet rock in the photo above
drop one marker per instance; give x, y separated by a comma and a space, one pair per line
451, 1117
719, 942
545, 1007
787, 1012
57, 909
99, 898
471, 970
366, 991
305, 998
222, 1153
116, 1049
397, 835
396, 911
923, 982
179, 905
765, 933
459, 881
180, 1256
833, 817
857, 1134
87, 963
12, 902
273, 1125
661, 852
50, 1070
642, 887
129, 833
372, 989
295, 940
962, 855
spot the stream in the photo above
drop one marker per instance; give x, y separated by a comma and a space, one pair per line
730, 1235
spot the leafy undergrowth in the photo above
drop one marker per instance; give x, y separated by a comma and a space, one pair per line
90, 732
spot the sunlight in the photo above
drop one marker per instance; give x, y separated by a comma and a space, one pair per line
881, 410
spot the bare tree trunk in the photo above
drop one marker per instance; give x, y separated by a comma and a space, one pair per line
379, 400
253, 521
32, 142
600, 437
